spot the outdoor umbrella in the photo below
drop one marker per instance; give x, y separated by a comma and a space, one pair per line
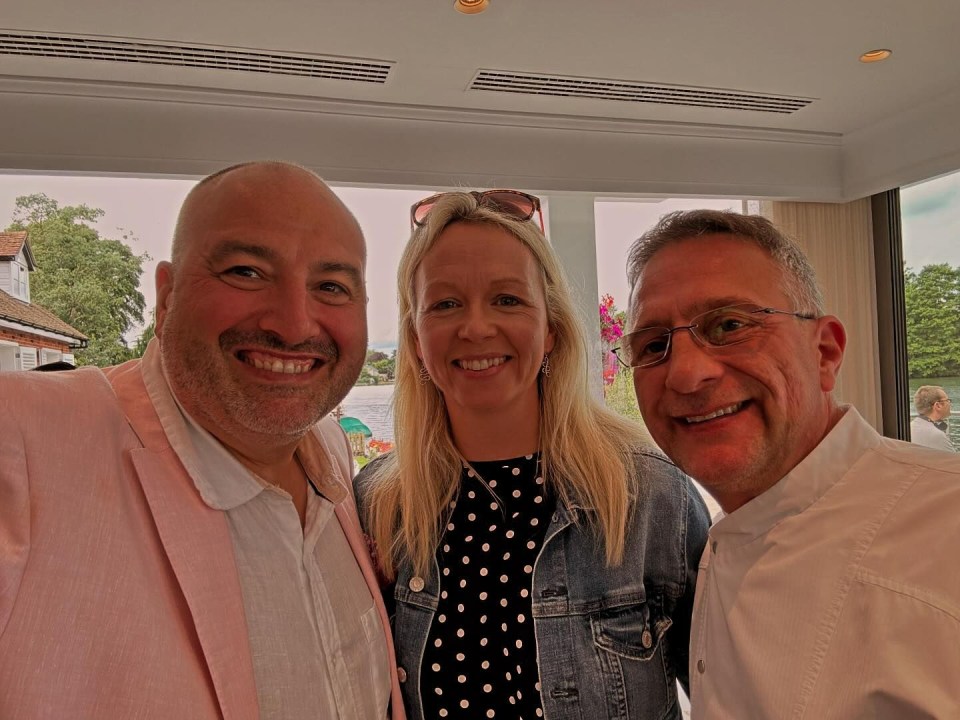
352, 425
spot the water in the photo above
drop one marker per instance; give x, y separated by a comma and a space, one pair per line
951, 386
371, 405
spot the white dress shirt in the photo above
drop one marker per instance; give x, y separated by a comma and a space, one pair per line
836, 593
316, 639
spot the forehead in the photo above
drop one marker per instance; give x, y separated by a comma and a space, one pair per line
477, 252
285, 208
700, 273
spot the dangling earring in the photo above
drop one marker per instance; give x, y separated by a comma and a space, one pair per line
423, 375
545, 365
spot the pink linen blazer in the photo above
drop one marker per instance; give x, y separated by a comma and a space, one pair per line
119, 594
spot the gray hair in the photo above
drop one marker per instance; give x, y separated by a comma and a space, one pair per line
801, 281
926, 396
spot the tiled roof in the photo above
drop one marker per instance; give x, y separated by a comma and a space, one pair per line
35, 316
11, 242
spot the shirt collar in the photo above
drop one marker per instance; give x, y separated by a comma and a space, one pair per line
223, 482
805, 484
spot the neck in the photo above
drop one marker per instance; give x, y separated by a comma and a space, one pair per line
496, 437
731, 501
271, 457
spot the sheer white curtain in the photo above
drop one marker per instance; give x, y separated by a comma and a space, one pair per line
838, 239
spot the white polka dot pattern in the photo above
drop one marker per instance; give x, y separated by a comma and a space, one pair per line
481, 650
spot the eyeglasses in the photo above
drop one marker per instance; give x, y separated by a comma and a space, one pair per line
516, 204
718, 328
945, 400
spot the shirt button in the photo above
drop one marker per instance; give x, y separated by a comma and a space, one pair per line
646, 639
401, 674
701, 666
416, 583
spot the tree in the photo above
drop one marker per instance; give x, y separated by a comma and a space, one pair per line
140, 346
932, 299
88, 281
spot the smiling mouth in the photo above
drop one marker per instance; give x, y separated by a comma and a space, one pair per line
478, 365
729, 410
274, 364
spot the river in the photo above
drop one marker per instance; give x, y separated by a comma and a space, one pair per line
371, 405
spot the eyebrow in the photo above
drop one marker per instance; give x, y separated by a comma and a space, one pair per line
237, 247
705, 305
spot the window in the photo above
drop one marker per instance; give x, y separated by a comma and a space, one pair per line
28, 358
930, 213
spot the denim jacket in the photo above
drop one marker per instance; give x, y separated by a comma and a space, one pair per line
611, 641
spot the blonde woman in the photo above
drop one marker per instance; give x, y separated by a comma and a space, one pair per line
542, 554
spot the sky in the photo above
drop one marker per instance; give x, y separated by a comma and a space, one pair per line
930, 212
147, 208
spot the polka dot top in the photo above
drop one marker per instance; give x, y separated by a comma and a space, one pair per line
481, 654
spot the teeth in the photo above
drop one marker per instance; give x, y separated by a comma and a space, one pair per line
283, 367
715, 414
482, 364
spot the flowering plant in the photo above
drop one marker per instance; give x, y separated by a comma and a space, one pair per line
611, 330
380, 446
611, 321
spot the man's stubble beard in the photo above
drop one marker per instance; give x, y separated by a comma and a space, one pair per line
205, 385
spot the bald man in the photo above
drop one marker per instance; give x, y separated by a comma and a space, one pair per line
177, 534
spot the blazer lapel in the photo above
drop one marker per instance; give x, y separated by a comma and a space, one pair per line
198, 543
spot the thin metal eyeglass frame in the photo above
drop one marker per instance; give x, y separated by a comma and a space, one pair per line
692, 328
535, 205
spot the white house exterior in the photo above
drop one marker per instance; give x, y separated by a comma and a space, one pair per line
29, 334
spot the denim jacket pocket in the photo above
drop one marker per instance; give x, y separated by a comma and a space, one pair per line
636, 679
629, 632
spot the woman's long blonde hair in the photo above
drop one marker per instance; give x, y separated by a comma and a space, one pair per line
588, 453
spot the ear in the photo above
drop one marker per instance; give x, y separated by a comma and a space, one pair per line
164, 283
416, 347
551, 341
831, 342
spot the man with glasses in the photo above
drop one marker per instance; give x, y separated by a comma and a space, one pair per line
830, 587
931, 424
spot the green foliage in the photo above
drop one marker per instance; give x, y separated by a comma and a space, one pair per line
620, 397
932, 298
379, 368
140, 346
88, 281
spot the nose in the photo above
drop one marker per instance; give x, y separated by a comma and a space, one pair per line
290, 314
690, 366
477, 324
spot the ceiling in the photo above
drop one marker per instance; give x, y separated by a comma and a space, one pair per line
633, 98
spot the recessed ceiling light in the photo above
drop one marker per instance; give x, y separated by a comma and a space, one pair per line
471, 7
875, 55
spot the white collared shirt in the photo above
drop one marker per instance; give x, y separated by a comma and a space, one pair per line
316, 639
836, 593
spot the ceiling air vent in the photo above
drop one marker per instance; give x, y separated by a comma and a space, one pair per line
634, 92
195, 56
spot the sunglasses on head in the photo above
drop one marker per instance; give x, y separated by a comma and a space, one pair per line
515, 204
